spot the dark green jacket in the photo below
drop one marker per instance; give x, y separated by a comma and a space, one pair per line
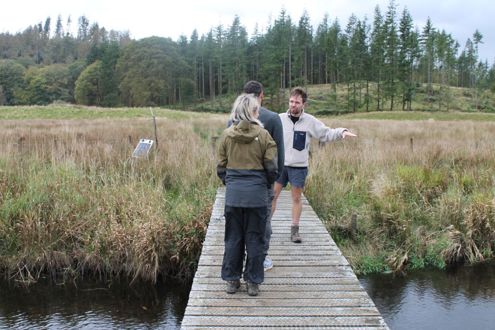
247, 164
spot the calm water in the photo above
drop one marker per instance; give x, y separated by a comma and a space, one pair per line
462, 299
457, 299
93, 306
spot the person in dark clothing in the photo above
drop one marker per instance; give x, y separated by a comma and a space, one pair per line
272, 123
247, 165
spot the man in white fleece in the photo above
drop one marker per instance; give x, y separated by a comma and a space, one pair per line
299, 127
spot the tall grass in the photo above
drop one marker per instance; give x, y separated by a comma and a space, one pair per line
422, 192
74, 203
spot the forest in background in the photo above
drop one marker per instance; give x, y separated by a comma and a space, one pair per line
385, 62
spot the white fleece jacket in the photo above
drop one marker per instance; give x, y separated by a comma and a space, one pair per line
297, 137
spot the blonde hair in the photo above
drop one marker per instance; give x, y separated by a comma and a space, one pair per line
244, 108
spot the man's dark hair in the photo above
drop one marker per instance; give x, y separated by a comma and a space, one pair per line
253, 87
299, 91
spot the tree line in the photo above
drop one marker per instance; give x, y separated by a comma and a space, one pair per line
381, 62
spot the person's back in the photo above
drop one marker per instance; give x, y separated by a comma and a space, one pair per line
244, 145
272, 123
270, 120
247, 166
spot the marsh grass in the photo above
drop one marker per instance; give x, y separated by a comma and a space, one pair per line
422, 116
74, 203
72, 111
422, 191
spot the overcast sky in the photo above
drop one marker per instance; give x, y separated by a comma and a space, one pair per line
145, 18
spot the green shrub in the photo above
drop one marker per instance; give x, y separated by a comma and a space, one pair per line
371, 264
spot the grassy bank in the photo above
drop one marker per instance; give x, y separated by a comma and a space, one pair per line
422, 192
339, 99
73, 203
72, 112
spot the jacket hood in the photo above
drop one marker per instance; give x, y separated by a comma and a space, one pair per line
244, 131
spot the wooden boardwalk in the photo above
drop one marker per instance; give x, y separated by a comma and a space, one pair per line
310, 286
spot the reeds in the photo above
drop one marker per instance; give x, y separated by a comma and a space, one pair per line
73, 202
422, 192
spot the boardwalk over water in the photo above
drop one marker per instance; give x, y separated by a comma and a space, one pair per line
311, 284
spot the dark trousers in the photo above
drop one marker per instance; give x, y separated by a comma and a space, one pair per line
244, 232
268, 229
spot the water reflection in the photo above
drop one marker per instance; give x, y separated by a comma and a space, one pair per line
458, 299
93, 306
463, 298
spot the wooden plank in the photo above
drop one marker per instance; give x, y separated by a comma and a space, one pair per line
329, 281
306, 240
300, 296
280, 231
293, 260
247, 301
244, 328
284, 271
276, 311
311, 285
247, 327
284, 251
285, 287
286, 321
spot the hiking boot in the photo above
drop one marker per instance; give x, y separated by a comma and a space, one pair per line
267, 263
252, 289
233, 286
294, 234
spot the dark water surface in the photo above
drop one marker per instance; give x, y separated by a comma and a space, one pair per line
460, 299
93, 306
457, 299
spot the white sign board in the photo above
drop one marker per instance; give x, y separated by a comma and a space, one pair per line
143, 148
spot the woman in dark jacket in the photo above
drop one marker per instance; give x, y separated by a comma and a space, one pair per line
247, 165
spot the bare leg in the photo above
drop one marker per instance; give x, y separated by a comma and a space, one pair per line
296, 193
277, 188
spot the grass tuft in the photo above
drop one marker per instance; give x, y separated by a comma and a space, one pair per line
74, 203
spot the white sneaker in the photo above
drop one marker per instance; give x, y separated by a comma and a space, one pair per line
267, 263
